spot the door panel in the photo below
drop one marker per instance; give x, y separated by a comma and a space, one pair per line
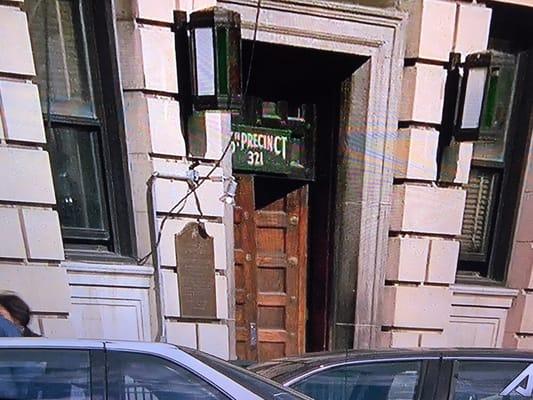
278, 234
245, 271
282, 255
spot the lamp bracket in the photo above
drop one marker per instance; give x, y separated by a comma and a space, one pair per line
189, 176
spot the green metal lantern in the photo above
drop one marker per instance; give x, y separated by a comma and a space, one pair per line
486, 93
215, 54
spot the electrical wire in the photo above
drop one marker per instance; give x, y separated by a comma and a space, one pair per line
195, 186
254, 40
146, 257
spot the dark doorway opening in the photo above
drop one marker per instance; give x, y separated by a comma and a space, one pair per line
302, 76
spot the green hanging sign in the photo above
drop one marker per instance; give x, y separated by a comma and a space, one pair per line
268, 150
274, 145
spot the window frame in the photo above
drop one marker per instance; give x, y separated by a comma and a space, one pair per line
504, 216
99, 26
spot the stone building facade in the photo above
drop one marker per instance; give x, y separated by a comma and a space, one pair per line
398, 219
424, 258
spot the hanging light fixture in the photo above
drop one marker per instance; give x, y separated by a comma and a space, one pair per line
215, 53
486, 90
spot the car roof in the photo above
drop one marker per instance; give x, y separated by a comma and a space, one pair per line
156, 347
285, 369
223, 381
50, 343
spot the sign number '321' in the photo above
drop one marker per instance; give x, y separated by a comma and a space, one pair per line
255, 158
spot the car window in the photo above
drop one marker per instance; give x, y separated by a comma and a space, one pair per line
372, 381
478, 380
44, 374
133, 376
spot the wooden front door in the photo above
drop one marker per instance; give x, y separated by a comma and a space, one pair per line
270, 268
245, 271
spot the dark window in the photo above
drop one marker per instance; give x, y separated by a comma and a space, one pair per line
44, 374
73, 60
478, 380
134, 376
495, 174
498, 165
374, 381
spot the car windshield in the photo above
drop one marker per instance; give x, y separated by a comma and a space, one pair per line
261, 386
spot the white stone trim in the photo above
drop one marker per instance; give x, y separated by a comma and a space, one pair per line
478, 315
484, 290
110, 275
110, 292
110, 313
483, 296
129, 269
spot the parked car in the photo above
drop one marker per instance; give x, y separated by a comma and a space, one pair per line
83, 370
452, 374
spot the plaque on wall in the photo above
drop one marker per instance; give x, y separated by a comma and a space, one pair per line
195, 258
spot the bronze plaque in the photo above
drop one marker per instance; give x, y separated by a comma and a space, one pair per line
195, 257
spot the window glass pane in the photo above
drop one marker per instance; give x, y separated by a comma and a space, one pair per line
68, 72
494, 380
474, 97
205, 62
77, 168
44, 374
376, 381
143, 377
494, 125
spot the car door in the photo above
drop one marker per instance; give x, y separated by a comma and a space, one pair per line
398, 379
484, 378
49, 373
138, 376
